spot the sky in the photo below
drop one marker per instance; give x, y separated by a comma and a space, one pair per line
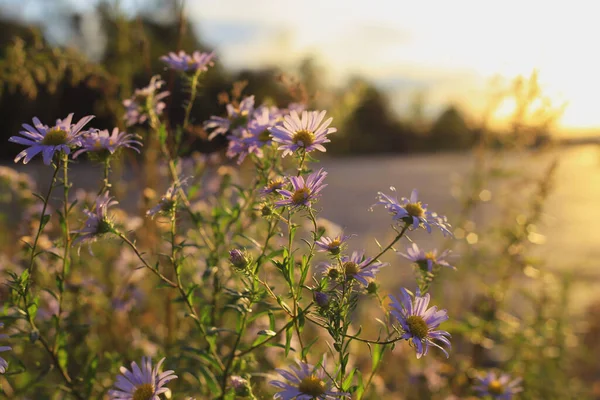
447, 50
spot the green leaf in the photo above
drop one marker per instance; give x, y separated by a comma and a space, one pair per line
348, 381
45, 220
266, 332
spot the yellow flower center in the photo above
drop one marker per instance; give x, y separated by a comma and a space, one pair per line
264, 136
312, 386
414, 209
495, 387
143, 392
300, 195
417, 326
303, 138
335, 243
430, 256
55, 137
275, 184
350, 269
98, 144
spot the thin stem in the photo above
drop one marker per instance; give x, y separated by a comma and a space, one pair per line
141, 258
105, 182
52, 353
40, 229
62, 273
382, 252
188, 108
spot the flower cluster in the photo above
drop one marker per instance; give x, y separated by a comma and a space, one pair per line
145, 102
245, 258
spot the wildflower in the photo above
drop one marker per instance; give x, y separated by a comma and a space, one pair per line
182, 61
305, 382
322, 299
273, 186
144, 101
237, 118
258, 129
239, 259
41, 138
303, 192
498, 387
426, 260
412, 212
145, 383
97, 223
333, 246
238, 146
103, 143
3, 362
357, 266
418, 322
167, 203
307, 133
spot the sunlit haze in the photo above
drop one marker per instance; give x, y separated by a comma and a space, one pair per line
447, 50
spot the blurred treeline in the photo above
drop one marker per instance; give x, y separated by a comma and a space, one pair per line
38, 79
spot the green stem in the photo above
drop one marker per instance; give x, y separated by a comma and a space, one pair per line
141, 258
40, 229
382, 252
105, 182
62, 273
188, 108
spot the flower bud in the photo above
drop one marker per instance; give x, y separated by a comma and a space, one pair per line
322, 299
239, 259
372, 287
241, 386
266, 210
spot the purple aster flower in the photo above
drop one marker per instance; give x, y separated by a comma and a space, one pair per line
303, 192
307, 133
306, 382
182, 61
426, 260
333, 246
137, 107
3, 362
273, 186
97, 223
498, 387
413, 212
145, 383
103, 142
357, 266
258, 129
237, 119
47, 140
418, 322
238, 147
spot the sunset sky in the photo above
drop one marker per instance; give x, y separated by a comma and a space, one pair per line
447, 49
